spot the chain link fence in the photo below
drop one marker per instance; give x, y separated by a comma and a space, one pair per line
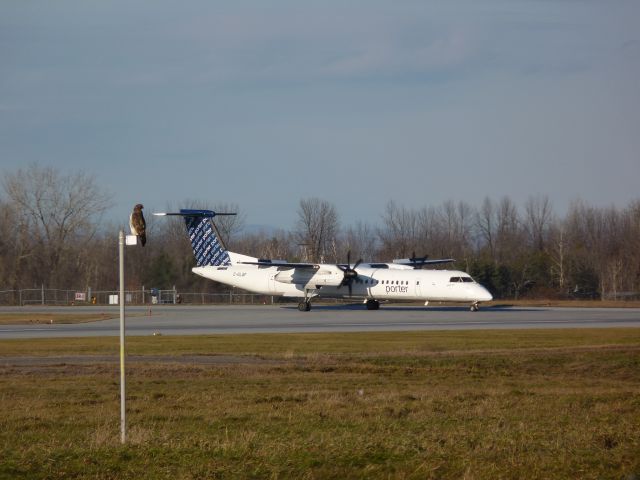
51, 296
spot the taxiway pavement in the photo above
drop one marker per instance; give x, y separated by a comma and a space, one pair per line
208, 320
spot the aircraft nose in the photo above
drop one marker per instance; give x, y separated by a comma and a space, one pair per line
484, 295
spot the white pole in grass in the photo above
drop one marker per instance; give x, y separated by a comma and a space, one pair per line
123, 413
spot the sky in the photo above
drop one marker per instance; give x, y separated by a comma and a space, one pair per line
262, 104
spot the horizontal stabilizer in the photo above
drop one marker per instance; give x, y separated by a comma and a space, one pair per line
193, 213
419, 262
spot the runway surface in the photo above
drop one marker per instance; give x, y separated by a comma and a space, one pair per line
203, 320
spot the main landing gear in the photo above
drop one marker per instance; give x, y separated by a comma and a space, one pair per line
373, 304
304, 306
474, 307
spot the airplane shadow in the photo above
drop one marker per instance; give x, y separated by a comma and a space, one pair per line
407, 308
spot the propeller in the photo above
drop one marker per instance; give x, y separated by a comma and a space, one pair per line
350, 273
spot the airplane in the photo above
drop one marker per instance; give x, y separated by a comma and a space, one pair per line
402, 279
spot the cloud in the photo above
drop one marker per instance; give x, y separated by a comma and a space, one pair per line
320, 46
393, 58
425, 87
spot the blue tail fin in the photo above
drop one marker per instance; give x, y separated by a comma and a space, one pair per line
207, 247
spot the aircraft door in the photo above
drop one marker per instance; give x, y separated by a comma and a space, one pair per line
271, 283
418, 288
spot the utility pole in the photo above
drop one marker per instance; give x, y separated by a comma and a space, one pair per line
123, 412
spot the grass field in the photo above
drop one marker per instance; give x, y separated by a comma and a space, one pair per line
490, 404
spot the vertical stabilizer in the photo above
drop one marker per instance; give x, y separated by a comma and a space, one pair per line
207, 247
205, 240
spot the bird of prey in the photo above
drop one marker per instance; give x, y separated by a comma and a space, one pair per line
137, 224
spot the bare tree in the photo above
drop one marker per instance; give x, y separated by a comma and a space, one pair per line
317, 227
430, 239
455, 221
229, 226
538, 216
60, 211
15, 248
401, 232
509, 232
360, 240
486, 224
632, 245
558, 249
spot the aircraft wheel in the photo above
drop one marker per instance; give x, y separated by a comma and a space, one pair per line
304, 306
373, 304
474, 307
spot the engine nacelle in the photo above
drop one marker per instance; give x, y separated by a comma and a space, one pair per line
324, 276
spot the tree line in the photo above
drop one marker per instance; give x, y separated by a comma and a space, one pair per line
52, 234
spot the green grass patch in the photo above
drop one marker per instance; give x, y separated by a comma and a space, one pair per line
491, 404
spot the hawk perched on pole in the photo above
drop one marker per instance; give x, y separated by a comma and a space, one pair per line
137, 224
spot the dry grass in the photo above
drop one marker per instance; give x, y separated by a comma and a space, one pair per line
21, 318
539, 404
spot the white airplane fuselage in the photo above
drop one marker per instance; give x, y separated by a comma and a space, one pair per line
399, 280
397, 283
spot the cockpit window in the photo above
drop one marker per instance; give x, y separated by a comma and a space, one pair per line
461, 279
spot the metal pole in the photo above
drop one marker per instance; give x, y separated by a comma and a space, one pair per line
123, 417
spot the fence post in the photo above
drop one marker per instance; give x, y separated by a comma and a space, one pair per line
42, 293
142, 294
